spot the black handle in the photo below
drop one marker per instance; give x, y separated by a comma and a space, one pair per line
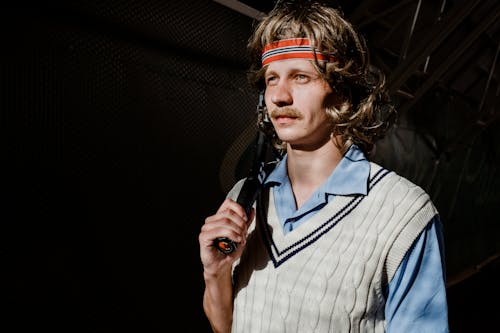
252, 184
225, 245
246, 198
248, 193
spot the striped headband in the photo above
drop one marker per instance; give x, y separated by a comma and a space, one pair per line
294, 48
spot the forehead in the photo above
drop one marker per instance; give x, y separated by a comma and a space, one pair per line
288, 65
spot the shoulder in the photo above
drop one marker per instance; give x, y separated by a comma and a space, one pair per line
393, 183
388, 187
408, 204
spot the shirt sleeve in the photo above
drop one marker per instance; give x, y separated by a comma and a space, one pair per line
416, 299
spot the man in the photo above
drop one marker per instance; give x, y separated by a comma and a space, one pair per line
335, 243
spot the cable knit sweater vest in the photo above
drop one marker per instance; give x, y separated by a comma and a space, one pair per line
329, 274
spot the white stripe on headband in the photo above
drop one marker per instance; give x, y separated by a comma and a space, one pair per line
293, 48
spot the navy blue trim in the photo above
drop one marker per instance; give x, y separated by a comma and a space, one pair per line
280, 256
287, 49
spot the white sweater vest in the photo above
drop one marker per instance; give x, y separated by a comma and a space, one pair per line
329, 274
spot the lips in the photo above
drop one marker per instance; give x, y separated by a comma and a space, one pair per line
285, 117
284, 120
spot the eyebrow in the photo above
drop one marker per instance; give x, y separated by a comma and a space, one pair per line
293, 70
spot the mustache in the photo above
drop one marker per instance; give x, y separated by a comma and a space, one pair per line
286, 111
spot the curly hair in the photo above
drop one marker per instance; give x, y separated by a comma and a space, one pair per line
365, 113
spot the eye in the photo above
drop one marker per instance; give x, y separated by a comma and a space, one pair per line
302, 78
270, 80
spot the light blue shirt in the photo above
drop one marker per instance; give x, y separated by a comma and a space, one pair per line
416, 295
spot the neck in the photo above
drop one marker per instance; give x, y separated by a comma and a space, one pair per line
308, 169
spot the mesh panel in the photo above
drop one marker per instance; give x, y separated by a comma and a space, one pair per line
116, 118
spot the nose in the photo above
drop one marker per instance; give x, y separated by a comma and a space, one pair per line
280, 94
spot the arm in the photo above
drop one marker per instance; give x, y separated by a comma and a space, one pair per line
416, 300
229, 221
218, 300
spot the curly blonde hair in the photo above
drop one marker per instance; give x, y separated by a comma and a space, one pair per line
365, 113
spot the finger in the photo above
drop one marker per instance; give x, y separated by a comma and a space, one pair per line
230, 204
225, 224
228, 217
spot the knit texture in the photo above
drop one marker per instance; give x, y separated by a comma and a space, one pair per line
329, 274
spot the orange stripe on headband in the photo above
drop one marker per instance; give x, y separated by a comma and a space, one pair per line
294, 48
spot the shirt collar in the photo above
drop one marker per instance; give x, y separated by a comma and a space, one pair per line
349, 177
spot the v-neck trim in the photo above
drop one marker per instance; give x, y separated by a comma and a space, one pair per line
282, 246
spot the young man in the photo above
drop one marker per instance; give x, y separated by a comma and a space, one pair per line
335, 243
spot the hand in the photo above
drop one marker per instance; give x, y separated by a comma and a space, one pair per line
229, 221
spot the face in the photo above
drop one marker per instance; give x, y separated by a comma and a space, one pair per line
296, 97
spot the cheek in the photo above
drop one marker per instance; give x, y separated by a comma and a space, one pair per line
267, 98
320, 116
322, 120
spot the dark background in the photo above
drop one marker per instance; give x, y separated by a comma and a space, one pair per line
123, 124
